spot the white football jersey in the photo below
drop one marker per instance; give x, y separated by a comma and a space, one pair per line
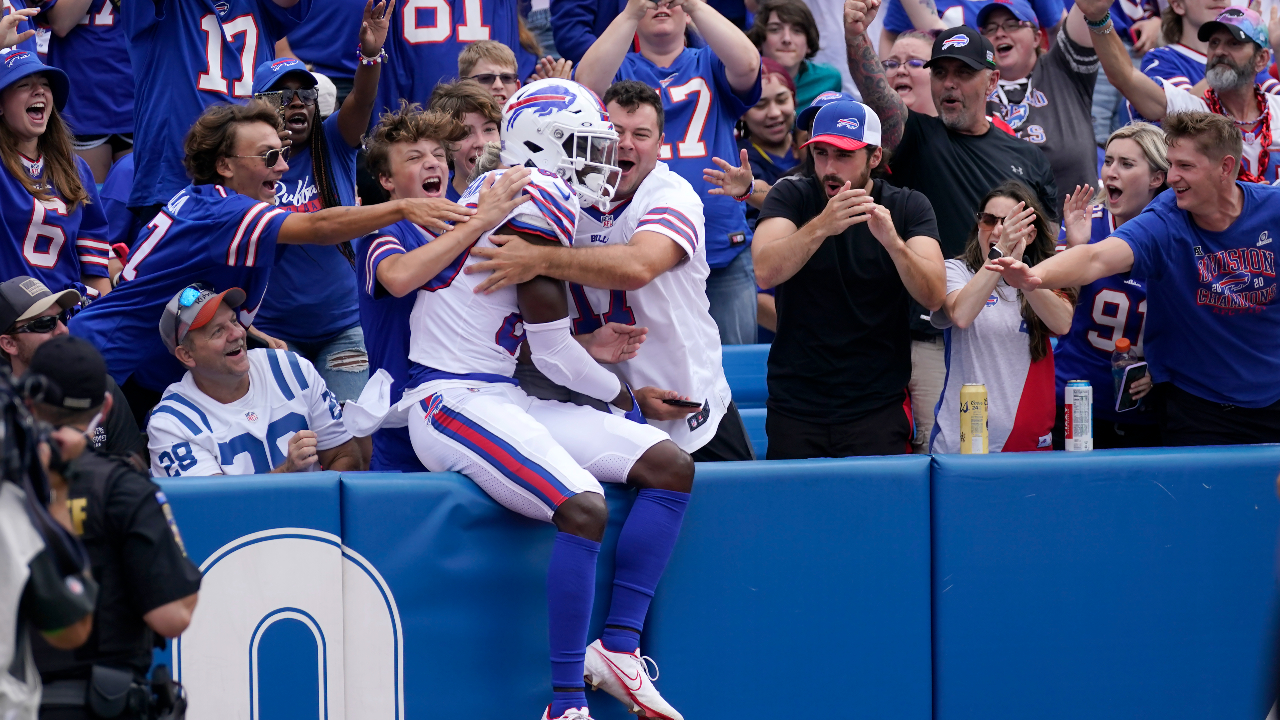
461, 332
682, 349
190, 433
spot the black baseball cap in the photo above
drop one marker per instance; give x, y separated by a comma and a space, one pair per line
23, 297
965, 44
74, 373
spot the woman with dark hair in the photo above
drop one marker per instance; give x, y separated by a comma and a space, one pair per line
52, 226
998, 336
786, 32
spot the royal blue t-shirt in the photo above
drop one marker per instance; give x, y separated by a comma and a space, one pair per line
8, 6
700, 110
207, 233
385, 319
186, 56
312, 296
123, 225
1107, 310
896, 20
48, 240
1213, 328
95, 54
327, 39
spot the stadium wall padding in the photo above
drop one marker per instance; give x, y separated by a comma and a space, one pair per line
1113, 584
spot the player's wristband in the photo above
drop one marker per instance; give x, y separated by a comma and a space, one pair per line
751, 190
634, 414
380, 58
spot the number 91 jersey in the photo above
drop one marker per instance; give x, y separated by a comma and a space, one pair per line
458, 331
1108, 309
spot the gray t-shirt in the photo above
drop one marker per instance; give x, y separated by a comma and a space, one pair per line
1052, 110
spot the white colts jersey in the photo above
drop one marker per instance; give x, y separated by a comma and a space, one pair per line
458, 331
682, 349
190, 433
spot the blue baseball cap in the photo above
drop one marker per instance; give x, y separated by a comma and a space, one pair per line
268, 74
1243, 23
804, 120
848, 124
1021, 9
17, 64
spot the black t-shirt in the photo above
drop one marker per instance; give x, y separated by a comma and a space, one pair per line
843, 348
119, 435
137, 558
955, 171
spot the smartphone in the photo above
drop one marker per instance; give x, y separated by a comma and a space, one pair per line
682, 403
1125, 401
275, 99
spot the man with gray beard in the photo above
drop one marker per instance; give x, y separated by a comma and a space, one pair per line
1238, 49
952, 159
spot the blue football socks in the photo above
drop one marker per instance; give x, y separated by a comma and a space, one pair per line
571, 587
644, 547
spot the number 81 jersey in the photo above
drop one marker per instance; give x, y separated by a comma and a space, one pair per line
457, 331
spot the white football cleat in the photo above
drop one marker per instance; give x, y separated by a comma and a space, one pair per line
570, 714
626, 677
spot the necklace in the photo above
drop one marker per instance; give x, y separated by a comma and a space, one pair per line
1264, 132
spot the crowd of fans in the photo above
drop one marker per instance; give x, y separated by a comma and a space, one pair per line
233, 206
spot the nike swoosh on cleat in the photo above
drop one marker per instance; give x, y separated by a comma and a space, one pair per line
623, 674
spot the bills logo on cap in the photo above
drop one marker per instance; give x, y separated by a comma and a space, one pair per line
16, 56
277, 64
828, 95
850, 123
957, 41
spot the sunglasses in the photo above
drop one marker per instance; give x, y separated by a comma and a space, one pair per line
270, 157
914, 63
507, 79
987, 220
1009, 27
39, 326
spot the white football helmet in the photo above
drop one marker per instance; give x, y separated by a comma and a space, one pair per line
561, 126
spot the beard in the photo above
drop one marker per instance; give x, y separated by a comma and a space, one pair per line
954, 119
1222, 74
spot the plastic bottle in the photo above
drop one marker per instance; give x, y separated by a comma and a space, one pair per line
1123, 357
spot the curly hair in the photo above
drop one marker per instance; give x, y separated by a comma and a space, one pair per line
213, 137
408, 124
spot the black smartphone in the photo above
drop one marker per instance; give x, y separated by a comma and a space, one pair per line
1125, 401
682, 403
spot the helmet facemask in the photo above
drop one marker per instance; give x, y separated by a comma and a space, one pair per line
591, 159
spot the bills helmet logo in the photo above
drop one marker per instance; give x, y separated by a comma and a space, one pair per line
1015, 115
848, 123
826, 96
1233, 283
543, 102
957, 41
432, 405
222, 7
15, 56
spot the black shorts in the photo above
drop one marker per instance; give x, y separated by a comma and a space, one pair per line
119, 142
886, 431
1191, 420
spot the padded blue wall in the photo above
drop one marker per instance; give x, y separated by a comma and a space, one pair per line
1111, 584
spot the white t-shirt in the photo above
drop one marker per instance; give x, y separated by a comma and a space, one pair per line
1178, 100
190, 433
682, 349
994, 351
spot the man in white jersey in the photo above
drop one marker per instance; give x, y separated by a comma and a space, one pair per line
540, 458
238, 411
641, 261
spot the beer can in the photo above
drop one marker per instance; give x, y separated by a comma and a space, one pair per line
1078, 399
973, 419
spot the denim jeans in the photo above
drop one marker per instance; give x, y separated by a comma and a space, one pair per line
731, 291
539, 23
341, 361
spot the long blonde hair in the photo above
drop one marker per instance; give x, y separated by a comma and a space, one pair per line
1152, 142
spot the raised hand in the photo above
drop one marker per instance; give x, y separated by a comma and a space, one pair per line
614, 342
549, 67
1094, 9
858, 16
1013, 234
1015, 272
848, 207
9, 35
374, 27
732, 181
498, 198
512, 262
1077, 215
435, 213
1145, 34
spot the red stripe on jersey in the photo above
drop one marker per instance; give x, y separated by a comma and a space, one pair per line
502, 457
386, 245
251, 255
1036, 407
234, 248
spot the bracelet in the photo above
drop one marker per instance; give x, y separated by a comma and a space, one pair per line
751, 190
1101, 22
365, 60
1103, 30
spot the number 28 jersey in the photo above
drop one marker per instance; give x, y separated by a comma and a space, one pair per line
1108, 309
190, 433
456, 331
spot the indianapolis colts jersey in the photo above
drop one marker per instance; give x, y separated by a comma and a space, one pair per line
1108, 309
459, 332
96, 54
46, 239
186, 56
207, 233
190, 433
425, 39
682, 350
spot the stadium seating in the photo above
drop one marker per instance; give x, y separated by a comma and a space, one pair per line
745, 366
753, 419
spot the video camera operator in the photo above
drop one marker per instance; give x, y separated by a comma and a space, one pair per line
148, 585
45, 582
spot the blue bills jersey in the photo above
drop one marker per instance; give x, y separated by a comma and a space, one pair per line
1183, 68
326, 40
425, 39
207, 233
1108, 309
8, 6
96, 54
385, 319
188, 55
48, 240
700, 111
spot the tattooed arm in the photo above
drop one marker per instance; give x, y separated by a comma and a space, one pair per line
868, 73
924, 15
